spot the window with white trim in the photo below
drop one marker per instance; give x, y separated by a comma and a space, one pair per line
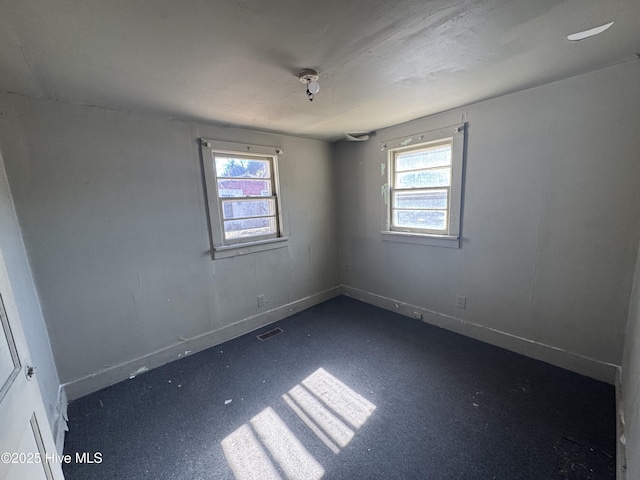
243, 197
424, 189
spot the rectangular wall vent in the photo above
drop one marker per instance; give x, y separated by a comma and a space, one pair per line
269, 334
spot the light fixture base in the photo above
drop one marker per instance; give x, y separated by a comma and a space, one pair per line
308, 75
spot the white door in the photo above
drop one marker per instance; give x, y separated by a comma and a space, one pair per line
27, 449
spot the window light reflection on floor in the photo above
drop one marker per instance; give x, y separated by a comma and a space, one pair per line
246, 457
327, 406
327, 421
351, 406
284, 446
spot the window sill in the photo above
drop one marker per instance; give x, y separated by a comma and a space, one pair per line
228, 251
448, 241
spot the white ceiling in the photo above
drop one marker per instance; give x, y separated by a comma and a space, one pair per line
235, 62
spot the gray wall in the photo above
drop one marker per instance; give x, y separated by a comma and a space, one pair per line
112, 210
113, 215
26, 298
631, 381
550, 225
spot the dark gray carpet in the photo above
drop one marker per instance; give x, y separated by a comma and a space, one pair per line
447, 407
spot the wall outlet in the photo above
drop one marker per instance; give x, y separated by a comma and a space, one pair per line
461, 302
260, 300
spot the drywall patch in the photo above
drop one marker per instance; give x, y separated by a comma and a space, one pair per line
576, 37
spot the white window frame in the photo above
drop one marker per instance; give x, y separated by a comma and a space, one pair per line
450, 237
225, 248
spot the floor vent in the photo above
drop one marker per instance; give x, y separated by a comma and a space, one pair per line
270, 333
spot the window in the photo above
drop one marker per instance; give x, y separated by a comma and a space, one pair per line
243, 202
246, 197
424, 191
421, 189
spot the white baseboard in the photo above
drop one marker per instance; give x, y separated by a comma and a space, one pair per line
574, 362
109, 376
621, 447
60, 426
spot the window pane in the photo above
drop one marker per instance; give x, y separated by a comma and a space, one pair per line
249, 227
239, 167
244, 188
426, 219
248, 208
421, 199
426, 178
439, 156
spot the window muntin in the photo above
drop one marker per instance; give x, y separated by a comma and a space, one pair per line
421, 178
247, 202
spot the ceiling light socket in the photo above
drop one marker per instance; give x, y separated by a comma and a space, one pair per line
308, 75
